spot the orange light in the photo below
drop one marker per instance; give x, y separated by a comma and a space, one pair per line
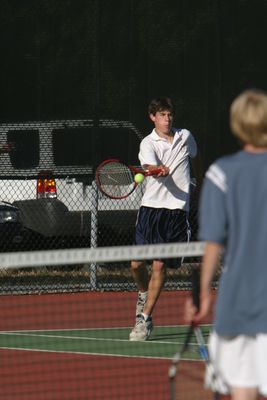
46, 186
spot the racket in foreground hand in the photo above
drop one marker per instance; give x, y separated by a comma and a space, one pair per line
184, 371
117, 180
212, 381
190, 382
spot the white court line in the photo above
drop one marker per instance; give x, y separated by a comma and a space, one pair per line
95, 354
96, 329
150, 342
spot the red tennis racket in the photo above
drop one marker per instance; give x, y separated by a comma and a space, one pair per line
116, 179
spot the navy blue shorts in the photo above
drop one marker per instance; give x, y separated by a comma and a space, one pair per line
161, 225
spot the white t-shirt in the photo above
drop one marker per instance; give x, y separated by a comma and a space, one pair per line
171, 191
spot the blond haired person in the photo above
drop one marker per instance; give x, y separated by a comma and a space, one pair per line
233, 218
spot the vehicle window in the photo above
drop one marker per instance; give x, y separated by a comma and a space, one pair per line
91, 146
72, 146
25, 148
120, 143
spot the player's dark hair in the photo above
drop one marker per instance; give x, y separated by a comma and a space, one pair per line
161, 104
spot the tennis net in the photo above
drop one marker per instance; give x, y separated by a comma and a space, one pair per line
70, 339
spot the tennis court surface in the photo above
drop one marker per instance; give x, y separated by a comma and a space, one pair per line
76, 345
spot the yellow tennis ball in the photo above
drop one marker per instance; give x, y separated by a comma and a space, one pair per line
138, 178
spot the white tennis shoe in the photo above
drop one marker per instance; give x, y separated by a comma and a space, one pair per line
142, 329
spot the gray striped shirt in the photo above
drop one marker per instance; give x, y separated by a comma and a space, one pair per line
233, 212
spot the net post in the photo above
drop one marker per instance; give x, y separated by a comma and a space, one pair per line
94, 230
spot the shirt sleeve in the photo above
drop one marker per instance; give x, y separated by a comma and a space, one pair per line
147, 155
192, 146
212, 210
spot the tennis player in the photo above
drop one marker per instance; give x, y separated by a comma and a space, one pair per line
163, 216
233, 218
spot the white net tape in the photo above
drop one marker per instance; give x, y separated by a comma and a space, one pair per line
100, 254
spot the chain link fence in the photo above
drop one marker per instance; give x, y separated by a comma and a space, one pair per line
49, 199
46, 176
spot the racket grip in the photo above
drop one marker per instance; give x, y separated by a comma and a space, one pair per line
204, 352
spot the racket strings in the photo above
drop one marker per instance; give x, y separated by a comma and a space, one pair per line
116, 179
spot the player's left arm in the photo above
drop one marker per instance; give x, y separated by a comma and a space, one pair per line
196, 164
197, 172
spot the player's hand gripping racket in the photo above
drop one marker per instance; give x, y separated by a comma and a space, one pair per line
116, 179
190, 381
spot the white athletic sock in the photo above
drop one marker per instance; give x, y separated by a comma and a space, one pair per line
145, 316
143, 295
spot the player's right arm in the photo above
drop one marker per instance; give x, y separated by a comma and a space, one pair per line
212, 230
149, 159
164, 171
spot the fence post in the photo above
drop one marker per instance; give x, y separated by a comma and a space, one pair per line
94, 232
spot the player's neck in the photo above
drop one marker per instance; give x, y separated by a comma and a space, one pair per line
168, 136
252, 149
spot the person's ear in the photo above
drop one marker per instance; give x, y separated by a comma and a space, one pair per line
152, 117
